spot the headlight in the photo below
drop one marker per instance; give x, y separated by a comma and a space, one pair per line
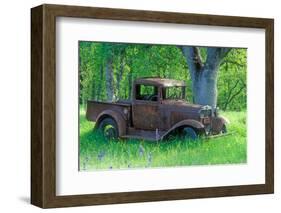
125, 111
205, 111
216, 112
201, 113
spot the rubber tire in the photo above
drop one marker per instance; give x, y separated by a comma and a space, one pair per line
224, 129
189, 133
112, 131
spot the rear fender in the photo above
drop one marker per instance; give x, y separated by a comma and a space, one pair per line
120, 120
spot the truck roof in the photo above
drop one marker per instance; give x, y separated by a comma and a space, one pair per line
160, 81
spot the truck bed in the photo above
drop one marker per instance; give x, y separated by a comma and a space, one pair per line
94, 108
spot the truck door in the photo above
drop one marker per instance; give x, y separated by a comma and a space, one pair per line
145, 108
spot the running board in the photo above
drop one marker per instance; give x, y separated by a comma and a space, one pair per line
158, 136
144, 134
218, 135
146, 138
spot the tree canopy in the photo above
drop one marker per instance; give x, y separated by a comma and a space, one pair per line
107, 70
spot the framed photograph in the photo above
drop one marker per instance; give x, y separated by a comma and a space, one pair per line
136, 106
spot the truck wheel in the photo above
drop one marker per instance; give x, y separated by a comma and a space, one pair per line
189, 133
224, 129
109, 129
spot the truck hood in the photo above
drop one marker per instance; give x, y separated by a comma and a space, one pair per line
181, 110
183, 104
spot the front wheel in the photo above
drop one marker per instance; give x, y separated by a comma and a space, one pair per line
189, 133
108, 128
224, 129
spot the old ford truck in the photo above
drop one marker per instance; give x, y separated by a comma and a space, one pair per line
158, 110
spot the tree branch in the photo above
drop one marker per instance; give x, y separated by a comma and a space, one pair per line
229, 95
193, 59
230, 98
224, 51
237, 93
215, 56
193, 56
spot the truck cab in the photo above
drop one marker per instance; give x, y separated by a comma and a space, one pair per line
150, 104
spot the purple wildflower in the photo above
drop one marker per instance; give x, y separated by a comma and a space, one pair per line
141, 150
101, 155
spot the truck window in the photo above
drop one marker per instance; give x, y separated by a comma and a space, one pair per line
146, 92
173, 93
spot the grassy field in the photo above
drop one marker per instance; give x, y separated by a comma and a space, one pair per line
96, 153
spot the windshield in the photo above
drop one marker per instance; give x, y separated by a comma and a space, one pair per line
174, 93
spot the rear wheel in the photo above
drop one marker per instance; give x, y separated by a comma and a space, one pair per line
109, 128
189, 133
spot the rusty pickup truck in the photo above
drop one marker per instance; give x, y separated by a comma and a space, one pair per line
158, 110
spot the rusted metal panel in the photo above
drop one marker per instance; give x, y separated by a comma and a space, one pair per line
146, 115
175, 111
95, 108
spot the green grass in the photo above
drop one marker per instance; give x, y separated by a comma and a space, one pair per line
97, 153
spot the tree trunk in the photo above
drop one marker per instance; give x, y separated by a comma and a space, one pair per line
119, 76
109, 79
204, 75
130, 82
94, 92
100, 83
204, 87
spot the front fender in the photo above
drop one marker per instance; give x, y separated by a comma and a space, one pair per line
120, 120
224, 119
188, 122
218, 123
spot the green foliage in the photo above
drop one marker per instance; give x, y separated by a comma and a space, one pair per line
131, 61
232, 81
97, 153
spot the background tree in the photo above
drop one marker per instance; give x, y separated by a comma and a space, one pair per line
204, 73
